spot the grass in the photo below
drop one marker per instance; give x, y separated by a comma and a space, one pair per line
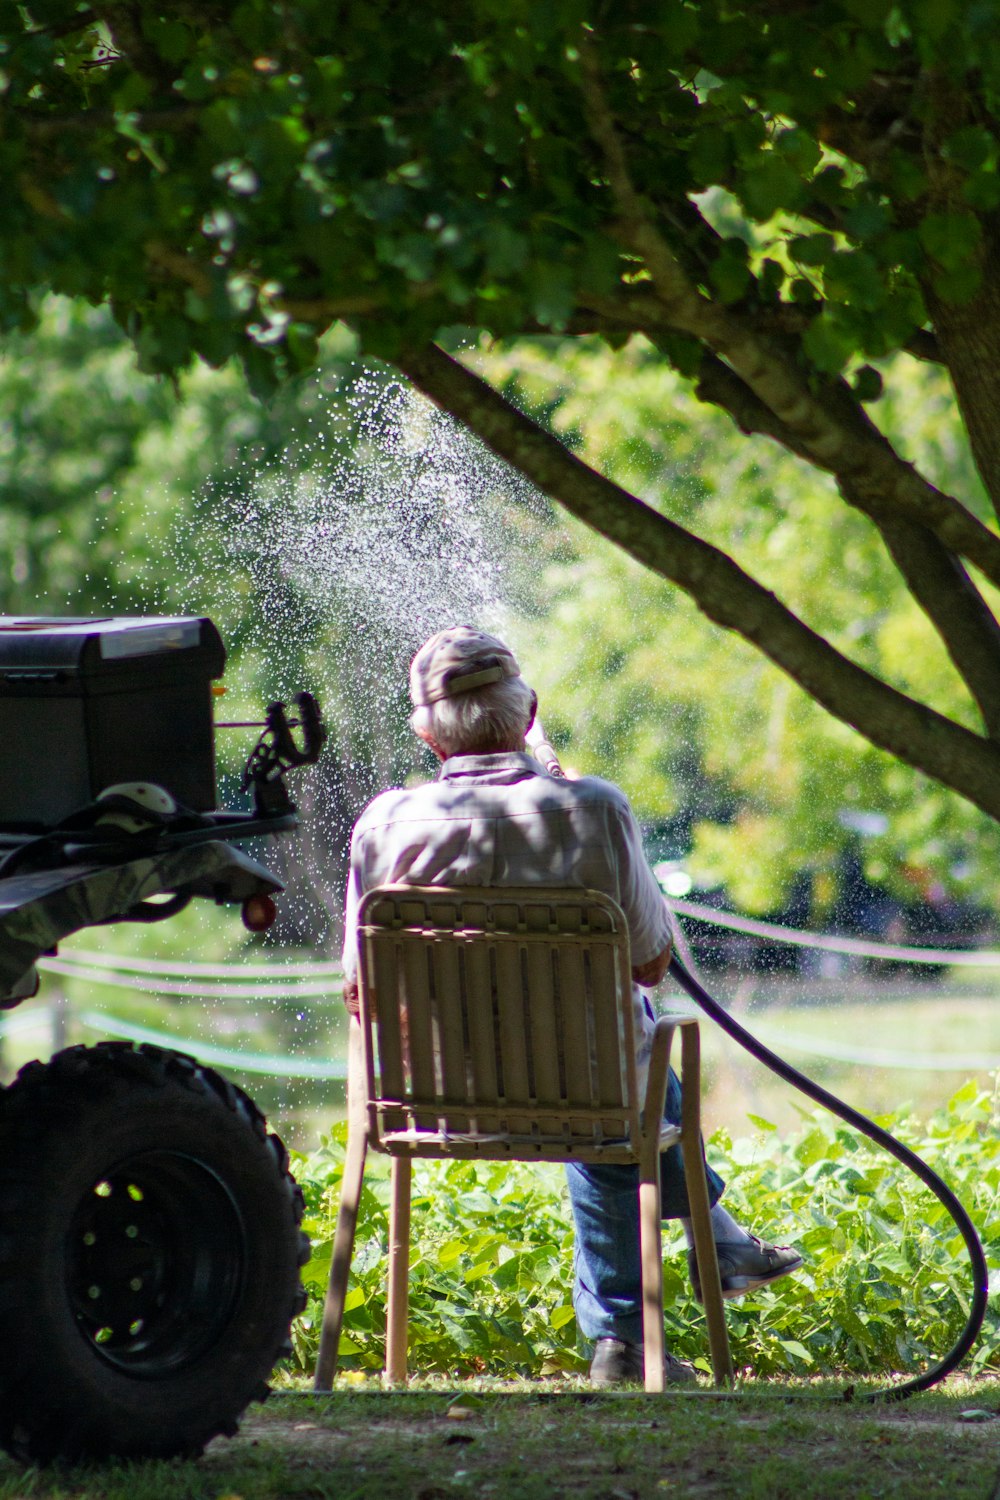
545, 1440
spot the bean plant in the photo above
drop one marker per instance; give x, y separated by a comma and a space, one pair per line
885, 1287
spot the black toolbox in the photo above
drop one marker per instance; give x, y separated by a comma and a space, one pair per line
88, 703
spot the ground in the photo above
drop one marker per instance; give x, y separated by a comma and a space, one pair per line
457, 1441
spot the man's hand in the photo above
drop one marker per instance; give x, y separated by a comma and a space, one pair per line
650, 973
352, 999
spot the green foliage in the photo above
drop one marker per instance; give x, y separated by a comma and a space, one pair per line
488, 1285
99, 463
884, 1288
234, 182
121, 492
821, 180
714, 745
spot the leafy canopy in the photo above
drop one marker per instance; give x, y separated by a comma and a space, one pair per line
728, 764
246, 176
779, 197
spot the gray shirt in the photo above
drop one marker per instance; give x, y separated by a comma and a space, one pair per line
495, 820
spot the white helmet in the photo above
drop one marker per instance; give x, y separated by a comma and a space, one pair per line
135, 805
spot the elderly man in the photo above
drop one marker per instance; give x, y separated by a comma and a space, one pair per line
493, 817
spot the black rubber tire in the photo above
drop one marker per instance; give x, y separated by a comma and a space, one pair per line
149, 1255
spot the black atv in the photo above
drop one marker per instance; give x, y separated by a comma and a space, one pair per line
150, 1241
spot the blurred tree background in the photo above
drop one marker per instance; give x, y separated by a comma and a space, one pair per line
785, 200
725, 758
127, 492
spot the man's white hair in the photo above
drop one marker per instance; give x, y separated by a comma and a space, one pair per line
477, 722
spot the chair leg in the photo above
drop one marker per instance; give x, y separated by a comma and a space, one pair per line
340, 1264
399, 1271
347, 1214
650, 1241
651, 1253
697, 1188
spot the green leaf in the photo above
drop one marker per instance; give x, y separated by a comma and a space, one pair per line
484, 1268
935, 16
711, 157
867, 383
852, 277
798, 1350
799, 148
958, 286
506, 251
600, 264
729, 273
827, 345
907, 179
685, 354
450, 1253
971, 147
415, 255
552, 294
866, 218
172, 39
981, 190
812, 249
950, 239
771, 278
871, 13
770, 183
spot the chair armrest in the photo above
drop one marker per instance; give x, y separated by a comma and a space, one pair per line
690, 1073
659, 1067
656, 1082
656, 1088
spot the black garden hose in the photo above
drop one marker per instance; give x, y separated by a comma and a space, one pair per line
895, 1148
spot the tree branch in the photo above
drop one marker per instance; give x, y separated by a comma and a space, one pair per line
924, 345
933, 574
718, 385
871, 474
182, 267
43, 127
856, 452
955, 607
918, 735
320, 312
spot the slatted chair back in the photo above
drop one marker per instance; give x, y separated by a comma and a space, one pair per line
497, 1022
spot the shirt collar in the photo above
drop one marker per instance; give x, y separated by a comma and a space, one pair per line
505, 765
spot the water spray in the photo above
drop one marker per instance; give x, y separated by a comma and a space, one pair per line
546, 755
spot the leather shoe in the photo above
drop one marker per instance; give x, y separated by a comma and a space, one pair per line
617, 1362
747, 1264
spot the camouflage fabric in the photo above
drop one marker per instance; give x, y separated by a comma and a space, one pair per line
41, 907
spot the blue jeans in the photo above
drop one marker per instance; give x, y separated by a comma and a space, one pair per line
607, 1286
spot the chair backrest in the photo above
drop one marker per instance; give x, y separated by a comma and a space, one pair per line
497, 1022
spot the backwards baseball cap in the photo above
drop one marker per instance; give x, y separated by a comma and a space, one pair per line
458, 660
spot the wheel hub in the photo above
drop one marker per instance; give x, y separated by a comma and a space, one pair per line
156, 1256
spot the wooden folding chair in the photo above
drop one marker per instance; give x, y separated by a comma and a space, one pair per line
498, 1023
